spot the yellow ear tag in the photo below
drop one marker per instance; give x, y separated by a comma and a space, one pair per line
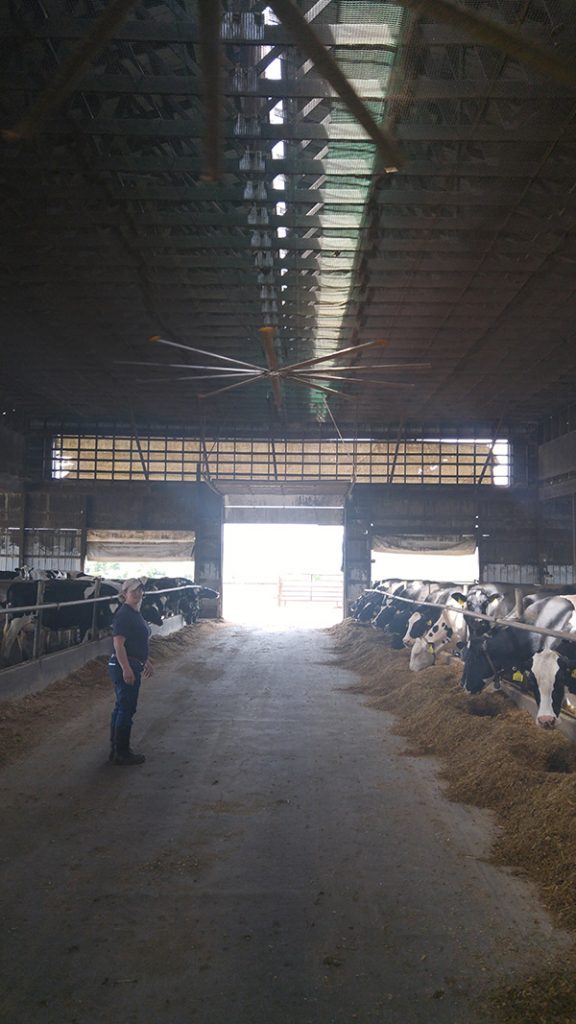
461, 602
430, 648
573, 673
428, 622
518, 677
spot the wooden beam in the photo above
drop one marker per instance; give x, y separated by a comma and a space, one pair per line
71, 70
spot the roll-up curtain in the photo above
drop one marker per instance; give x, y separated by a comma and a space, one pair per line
424, 544
142, 545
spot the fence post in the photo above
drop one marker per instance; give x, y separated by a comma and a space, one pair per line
93, 627
36, 646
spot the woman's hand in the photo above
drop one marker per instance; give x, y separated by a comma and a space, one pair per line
148, 669
128, 674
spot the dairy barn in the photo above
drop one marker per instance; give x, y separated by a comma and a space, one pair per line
288, 296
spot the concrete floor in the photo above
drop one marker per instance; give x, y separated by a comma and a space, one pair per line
277, 860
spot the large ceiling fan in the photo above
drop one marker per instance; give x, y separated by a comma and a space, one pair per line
317, 374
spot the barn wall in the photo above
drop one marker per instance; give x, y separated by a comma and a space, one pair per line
12, 460
503, 521
557, 466
46, 527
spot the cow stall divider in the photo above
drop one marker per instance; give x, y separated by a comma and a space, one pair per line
41, 669
508, 685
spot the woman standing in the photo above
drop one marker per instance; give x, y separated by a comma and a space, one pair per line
127, 665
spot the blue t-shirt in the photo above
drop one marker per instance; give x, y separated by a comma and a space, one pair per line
130, 624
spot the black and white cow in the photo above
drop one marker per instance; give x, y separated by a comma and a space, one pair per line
401, 603
366, 607
496, 600
545, 663
422, 619
23, 593
436, 628
179, 602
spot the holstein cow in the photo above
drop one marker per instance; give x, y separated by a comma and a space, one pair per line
493, 599
447, 629
546, 664
423, 618
23, 593
368, 604
414, 591
395, 613
182, 602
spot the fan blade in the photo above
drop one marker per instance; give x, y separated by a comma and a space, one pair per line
179, 366
335, 355
376, 366
157, 340
319, 387
197, 376
365, 383
220, 391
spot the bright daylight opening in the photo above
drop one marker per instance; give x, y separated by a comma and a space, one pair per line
283, 576
449, 568
124, 570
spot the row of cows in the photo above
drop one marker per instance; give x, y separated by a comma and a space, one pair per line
428, 617
68, 624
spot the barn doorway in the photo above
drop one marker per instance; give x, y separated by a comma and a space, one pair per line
283, 575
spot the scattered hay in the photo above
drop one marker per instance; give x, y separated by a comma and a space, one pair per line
548, 998
493, 756
25, 721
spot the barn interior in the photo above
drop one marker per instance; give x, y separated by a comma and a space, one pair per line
272, 186
288, 263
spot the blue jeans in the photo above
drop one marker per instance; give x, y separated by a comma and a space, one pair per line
126, 702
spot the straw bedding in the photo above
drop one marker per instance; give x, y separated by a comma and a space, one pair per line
24, 722
493, 755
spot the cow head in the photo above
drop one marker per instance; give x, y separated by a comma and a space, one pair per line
415, 627
548, 675
422, 655
478, 666
439, 634
151, 610
481, 602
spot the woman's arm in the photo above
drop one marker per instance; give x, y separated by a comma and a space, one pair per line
120, 652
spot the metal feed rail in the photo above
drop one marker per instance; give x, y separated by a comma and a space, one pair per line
495, 622
87, 600
40, 607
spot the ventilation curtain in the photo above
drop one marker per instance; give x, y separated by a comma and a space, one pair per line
141, 545
424, 544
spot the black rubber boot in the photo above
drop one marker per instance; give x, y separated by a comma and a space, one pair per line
127, 757
121, 752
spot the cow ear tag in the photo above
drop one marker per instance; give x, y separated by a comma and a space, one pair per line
518, 677
428, 622
461, 602
430, 648
573, 673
